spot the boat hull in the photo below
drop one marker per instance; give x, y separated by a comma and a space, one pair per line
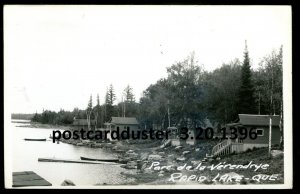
100, 160
26, 139
74, 161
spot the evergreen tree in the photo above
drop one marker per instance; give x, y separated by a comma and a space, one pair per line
36, 118
110, 96
246, 90
109, 101
90, 104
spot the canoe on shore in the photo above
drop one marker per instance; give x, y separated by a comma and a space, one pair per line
100, 160
73, 161
28, 139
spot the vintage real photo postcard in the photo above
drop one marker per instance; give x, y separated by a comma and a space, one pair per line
154, 97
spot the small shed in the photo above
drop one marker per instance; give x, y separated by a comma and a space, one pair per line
174, 136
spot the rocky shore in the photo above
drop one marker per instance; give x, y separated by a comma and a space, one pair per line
138, 156
154, 161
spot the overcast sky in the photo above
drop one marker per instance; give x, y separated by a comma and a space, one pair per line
57, 56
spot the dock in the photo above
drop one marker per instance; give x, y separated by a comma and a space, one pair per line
28, 178
74, 161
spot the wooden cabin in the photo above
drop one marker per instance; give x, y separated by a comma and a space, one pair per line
261, 124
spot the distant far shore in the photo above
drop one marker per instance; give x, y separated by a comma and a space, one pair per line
22, 116
29, 124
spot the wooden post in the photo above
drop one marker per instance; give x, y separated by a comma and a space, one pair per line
270, 136
281, 127
259, 103
169, 119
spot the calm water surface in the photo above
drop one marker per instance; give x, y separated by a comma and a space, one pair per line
26, 153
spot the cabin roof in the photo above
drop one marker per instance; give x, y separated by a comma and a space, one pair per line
258, 120
124, 120
83, 122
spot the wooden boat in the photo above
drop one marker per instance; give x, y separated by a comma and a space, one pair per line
28, 139
74, 161
101, 160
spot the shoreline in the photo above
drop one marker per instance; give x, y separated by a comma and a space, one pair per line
143, 153
148, 153
30, 124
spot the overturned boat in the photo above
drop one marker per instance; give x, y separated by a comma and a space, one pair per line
30, 139
75, 161
100, 160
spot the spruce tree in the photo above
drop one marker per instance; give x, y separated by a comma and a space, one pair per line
246, 91
109, 101
90, 104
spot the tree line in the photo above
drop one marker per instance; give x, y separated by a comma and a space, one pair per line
101, 113
189, 95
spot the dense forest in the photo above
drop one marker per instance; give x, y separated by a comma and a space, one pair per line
189, 95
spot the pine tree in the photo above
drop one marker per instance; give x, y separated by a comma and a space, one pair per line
246, 91
109, 101
110, 95
90, 104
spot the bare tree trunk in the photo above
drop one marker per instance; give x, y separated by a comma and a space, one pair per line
281, 125
169, 119
259, 102
163, 121
96, 120
88, 118
124, 109
272, 89
104, 112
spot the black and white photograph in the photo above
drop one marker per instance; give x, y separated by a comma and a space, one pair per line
148, 96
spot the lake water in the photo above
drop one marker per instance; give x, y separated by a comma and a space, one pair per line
26, 153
